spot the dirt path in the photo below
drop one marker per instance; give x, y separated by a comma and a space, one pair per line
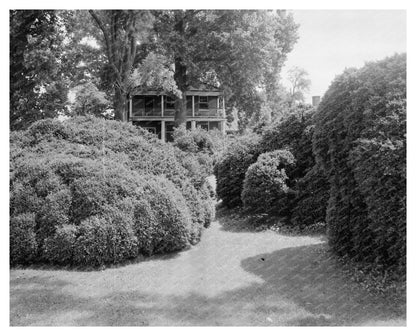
230, 278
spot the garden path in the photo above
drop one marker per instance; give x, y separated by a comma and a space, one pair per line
231, 277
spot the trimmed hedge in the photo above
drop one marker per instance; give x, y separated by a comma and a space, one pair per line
100, 192
360, 142
265, 188
230, 170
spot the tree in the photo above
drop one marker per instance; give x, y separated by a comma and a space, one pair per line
238, 51
38, 86
121, 31
89, 100
299, 84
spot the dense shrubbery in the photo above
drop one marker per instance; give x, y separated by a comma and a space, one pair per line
360, 142
312, 193
265, 188
231, 169
300, 200
91, 192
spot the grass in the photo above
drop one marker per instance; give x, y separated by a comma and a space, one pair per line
235, 276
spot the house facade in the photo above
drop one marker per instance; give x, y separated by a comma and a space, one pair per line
156, 112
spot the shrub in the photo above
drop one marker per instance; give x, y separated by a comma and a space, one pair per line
23, 245
293, 133
193, 141
265, 188
162, 221
359, 141
86, 190
311, 199
59, 247
230, 170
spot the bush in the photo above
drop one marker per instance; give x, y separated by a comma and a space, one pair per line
265, 188
59, 247
360, 141
23, 245
230, 170
311, 199
163, 219
86, 190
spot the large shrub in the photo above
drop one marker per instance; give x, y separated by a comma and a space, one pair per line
312, 193
230, 170
360, 142
99, 194
265, 188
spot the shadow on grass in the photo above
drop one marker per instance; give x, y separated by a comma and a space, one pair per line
139, 259
235, 220
297, 286
312, 279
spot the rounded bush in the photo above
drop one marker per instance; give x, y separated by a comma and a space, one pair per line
265, 188
230, 170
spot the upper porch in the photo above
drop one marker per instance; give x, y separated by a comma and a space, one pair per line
199, 104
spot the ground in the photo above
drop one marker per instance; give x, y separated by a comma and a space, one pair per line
232, 277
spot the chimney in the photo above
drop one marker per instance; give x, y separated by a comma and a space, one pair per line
316, 100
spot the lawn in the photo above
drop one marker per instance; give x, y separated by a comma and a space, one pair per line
231, 278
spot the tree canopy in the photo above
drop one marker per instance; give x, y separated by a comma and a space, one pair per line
52, 52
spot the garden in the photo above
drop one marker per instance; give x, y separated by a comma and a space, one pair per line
299, 218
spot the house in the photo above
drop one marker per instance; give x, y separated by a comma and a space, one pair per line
156, 112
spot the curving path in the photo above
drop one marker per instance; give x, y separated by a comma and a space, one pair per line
230, 278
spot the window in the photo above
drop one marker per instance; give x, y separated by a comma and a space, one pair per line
203, 103
170, 103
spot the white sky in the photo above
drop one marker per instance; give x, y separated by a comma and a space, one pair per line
332, 40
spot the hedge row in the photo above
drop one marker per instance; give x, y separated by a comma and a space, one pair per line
360, 142
90, 192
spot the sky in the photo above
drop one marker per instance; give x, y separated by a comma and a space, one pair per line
332, 40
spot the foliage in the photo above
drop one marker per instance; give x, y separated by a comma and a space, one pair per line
92, 183
264, 188
293, 133
23, 245
230, 170
238, 50
37, 88
299, 84
360, 142
89, 100
311, 199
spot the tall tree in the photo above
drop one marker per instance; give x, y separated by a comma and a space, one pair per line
239, 51
121, 32
38, 86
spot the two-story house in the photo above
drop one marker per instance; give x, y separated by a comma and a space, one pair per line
156, 112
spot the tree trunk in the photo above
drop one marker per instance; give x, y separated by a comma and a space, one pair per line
120, 101
180, 74
180, 103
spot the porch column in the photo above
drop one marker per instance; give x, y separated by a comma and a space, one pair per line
130, 114
223, 106
218, 106
163, 131
193, 124
193, 106
163, 107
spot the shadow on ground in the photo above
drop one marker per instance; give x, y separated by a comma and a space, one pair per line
299, 286
310, 278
